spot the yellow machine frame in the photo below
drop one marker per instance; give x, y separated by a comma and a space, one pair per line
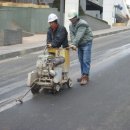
62, 52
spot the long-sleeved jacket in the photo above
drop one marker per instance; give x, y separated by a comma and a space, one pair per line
58, 38
80, 33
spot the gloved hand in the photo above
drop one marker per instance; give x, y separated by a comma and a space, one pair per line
72, 46
49, 45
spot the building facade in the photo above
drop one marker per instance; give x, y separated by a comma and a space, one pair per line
112, 11
92, 7
115, 11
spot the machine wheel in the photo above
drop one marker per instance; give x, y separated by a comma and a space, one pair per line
35, 89
69, 83
56, 88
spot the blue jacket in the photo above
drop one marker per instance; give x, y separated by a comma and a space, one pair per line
58, 38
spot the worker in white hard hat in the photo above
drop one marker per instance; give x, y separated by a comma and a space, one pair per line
57, 35
81, 36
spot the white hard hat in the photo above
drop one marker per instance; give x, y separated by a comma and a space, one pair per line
72, 14
52, 17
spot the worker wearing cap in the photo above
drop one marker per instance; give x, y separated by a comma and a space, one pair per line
81, 36
57, 35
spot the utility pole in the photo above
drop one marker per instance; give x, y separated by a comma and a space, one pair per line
62, 5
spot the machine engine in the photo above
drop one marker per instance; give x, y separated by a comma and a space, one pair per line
46, 65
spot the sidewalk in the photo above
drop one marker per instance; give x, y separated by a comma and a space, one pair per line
36, 43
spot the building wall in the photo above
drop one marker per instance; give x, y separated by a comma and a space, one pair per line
29, 19
83, 5
98, 2
39, 18
94, 13
109, 10
84, 2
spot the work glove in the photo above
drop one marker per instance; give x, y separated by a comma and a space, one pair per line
73, 47
49, 45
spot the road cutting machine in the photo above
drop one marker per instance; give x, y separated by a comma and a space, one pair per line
52, 71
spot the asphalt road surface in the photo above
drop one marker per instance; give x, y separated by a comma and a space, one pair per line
101, 105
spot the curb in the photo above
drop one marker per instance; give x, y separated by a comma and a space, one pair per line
110, 33
20, 53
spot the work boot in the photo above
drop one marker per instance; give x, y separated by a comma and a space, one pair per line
79, 79
84, 80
